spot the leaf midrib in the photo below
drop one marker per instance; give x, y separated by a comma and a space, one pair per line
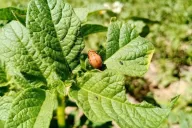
57, 33
119, 49
131, 105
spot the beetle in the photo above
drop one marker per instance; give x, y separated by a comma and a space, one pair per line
94, 59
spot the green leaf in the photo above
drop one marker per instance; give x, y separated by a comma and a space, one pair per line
2, 123
5, 105
127, 52
33, 108
173, 101
12, 13
3, 23
18, 58
83, 13
55, 31
102, 97
3, 77
92, 28
93, 8
46, 52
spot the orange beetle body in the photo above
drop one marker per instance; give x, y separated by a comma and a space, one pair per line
94, 59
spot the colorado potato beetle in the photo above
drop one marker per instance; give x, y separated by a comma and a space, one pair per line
94, 59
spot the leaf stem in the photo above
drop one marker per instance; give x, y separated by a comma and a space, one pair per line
61, 111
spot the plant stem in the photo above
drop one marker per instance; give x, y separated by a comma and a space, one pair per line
61, 111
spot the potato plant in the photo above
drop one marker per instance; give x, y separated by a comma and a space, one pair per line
40, 51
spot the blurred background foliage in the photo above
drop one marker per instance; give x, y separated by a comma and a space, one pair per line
168, 25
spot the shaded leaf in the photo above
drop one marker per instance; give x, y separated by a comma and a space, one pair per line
3, 77
12, 13
92, 28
